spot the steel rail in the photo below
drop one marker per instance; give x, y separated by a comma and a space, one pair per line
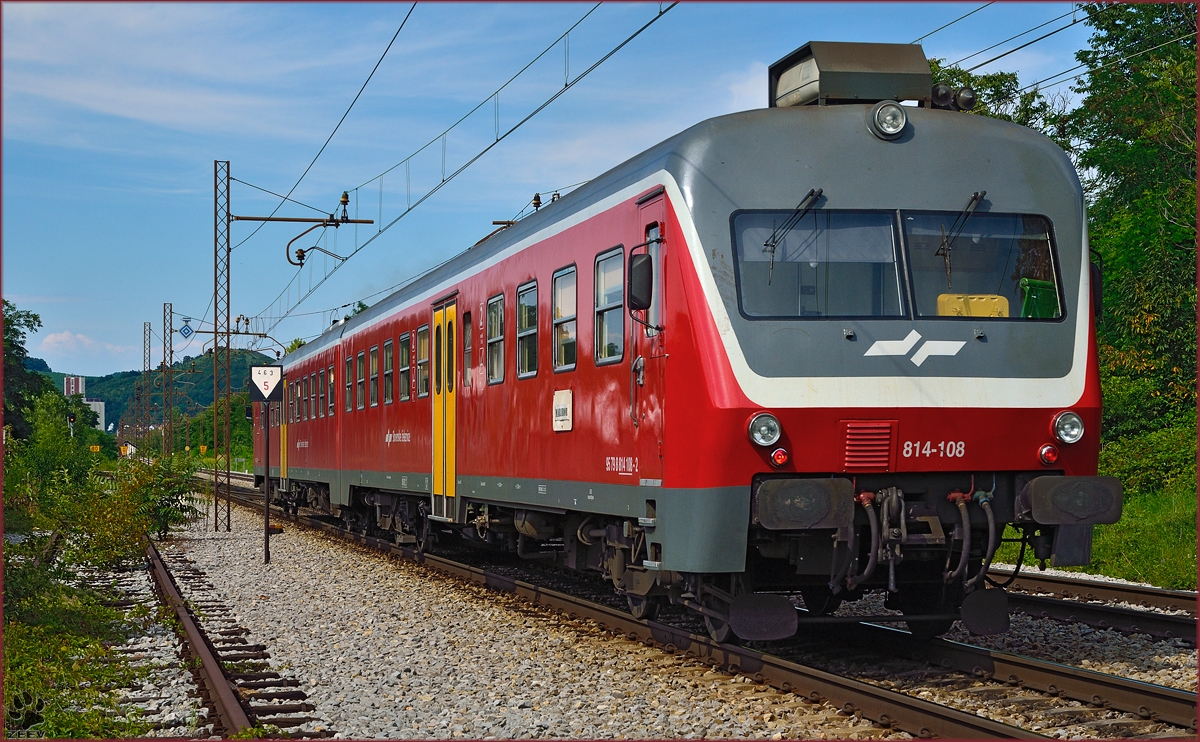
1083, 589
230, 714
1103, 616
1147, 700
888, 708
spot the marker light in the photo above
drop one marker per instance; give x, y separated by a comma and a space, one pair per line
1048, 454
888, 119
779, 456
1068, 427
765, 429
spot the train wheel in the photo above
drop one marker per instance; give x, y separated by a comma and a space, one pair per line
422, 530
719, 598
644, 607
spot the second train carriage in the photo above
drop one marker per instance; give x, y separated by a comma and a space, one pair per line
830, 346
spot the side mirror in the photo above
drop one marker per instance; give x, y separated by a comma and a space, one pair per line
641, 282
1097, 291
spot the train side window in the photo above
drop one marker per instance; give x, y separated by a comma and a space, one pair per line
495, 339
467, 332
374, 376
405, 367
321, 393
387, 372
349, 383
437, 359
423, 361
331, 388
527, 331
450, 356
312, 396
360, 389
304, 398
610, 300
563, 313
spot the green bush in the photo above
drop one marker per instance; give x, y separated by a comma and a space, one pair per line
1151, 461
58, 683
58, 671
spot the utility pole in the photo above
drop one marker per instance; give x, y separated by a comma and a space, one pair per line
168, 392
223, 335
145, 411
221, 343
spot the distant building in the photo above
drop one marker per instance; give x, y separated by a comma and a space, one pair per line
73, 385
97, 406
77, 385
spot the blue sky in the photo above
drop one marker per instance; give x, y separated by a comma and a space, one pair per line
114, 113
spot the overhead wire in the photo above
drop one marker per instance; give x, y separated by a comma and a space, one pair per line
1104, 66
339, 124
273, 193
1027, 43
1011, 38
568, 84
951, 23
485, 100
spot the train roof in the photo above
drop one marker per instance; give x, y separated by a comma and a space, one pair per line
692, 156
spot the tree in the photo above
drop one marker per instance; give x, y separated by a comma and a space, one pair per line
998, 95
1134, 134
296, 344
21, 385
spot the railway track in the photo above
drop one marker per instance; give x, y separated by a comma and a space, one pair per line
1087, 601
234, 681
216, 690
1147, 702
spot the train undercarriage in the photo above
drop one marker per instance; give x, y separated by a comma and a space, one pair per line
925, 541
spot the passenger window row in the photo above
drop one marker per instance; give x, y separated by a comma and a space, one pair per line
368, 379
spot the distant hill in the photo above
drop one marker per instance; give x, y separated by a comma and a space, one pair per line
193, 383
37, 364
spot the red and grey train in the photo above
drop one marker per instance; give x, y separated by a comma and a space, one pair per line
828, 347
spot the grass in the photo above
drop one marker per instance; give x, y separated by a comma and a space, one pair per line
1155, 540
59, 672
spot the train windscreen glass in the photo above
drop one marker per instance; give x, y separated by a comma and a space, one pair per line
830, 264
999, 266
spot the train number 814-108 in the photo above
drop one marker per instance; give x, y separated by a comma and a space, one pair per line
941, 449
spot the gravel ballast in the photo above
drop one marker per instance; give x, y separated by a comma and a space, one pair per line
388, 648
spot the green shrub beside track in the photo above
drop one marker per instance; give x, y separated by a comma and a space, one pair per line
62, 517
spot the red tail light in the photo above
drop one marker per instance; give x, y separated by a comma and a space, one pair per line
1048, 454
779, 456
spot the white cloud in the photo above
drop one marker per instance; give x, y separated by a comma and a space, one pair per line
67, 343
747, 89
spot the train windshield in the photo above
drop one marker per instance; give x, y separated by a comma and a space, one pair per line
830, 264
998, 266
850, 264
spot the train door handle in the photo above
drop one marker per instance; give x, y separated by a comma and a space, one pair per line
637, 374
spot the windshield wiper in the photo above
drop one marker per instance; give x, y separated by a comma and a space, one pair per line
956, 229
777, 234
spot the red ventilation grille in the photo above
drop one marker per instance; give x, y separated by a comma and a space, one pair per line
870, 444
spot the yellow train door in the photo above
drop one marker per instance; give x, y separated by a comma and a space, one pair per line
445, 350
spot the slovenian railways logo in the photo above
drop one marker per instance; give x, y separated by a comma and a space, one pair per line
928, 348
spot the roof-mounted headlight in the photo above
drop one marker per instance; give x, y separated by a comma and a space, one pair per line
887, 120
